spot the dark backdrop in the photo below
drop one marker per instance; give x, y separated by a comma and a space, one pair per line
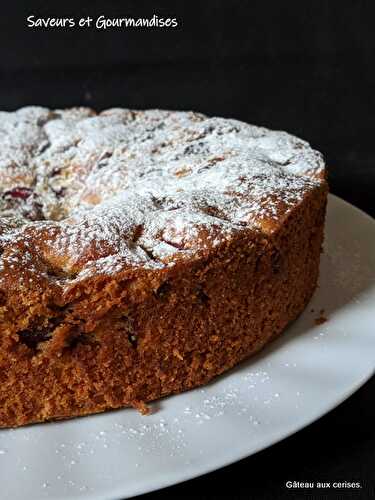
306, 67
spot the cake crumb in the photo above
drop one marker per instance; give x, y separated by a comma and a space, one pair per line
321, 318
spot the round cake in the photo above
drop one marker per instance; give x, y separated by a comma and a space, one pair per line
143, 253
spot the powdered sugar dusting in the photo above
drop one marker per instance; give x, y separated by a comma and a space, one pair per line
95, 193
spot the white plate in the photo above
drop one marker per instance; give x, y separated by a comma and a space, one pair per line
298, 378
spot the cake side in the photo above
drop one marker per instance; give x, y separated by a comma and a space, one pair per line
163, 332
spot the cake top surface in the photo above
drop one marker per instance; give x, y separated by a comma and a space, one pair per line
83, 194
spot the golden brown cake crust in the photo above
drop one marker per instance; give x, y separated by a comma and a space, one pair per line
145, 252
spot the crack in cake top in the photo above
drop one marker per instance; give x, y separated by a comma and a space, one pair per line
85, 193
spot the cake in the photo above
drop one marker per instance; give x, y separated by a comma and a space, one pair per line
143, 253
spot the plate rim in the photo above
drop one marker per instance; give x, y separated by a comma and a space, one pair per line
151, 484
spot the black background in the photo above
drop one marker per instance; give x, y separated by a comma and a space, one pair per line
305, 67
